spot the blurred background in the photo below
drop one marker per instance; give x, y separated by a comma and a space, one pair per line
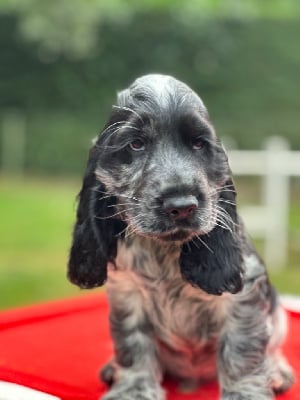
61, 64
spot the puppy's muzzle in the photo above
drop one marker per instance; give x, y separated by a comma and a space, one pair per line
180, 207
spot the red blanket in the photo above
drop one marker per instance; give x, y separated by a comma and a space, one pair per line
59, 348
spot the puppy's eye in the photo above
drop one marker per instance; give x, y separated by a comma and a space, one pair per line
197, 144
137, 145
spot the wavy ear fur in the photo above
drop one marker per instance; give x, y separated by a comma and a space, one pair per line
216, 266
94, 240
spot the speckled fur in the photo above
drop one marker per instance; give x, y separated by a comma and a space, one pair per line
190, 299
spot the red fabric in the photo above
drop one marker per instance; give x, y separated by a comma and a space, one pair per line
59, 348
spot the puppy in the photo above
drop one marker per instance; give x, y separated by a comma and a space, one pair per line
189, 296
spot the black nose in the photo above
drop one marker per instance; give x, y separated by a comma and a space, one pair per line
180, 207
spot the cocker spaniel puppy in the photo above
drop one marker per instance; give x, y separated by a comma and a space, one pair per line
189, 296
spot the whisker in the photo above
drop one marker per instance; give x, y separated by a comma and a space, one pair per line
227, 201
193, 241
230, 185
103, 197
114, 124
221, 211
220, 190
107, 195
223, 223
121, 233
128, 197
130, 231
127, 125
223, 226
108, 216
118, 213
130, 110
99, 191
121, 204
106, 146
189, 246
205, 244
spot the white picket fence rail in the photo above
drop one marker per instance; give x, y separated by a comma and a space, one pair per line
275, 164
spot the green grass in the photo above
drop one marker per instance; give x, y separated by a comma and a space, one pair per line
288, 279
36, 219
36, 223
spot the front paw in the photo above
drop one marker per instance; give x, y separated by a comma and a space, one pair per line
244, 395
138, 389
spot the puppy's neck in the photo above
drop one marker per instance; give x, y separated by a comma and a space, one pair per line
153, 245
148, 256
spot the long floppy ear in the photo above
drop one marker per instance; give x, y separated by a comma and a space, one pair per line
214, 262
94, 237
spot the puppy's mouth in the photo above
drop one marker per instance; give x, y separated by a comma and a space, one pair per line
171, 228
176, 235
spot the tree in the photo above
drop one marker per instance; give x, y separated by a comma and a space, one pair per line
70, 28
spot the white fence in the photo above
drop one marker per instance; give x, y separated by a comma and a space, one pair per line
275, 164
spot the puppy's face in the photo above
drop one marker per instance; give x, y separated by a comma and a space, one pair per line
161, 160
158, 170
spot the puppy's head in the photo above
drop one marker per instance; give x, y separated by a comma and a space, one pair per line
158, 170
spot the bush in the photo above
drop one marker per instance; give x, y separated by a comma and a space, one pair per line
245, 72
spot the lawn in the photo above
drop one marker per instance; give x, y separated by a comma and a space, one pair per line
37, 216
36, 224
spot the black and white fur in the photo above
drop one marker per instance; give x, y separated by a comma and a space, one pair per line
189, 296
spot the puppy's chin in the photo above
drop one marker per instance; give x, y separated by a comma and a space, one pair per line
176, 235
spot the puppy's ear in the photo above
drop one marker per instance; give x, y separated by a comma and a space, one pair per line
213, 261
94, 237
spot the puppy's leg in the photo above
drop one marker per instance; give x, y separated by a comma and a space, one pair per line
108, 373
137, 374
242, 360
282, 375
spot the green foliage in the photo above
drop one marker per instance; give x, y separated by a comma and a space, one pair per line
70, 28
245, 70
65, 27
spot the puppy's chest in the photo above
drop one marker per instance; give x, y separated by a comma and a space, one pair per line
179, 313
183, 316
186, 329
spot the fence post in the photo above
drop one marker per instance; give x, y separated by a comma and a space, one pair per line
13, 142
276, 199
